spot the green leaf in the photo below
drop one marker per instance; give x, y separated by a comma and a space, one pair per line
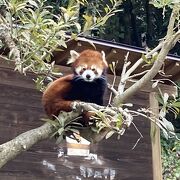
78, 26
160, 100
11, 53
101, 128
144, 58
169, 126
176, 104
154, 85
33, 3
119, 121
165, 98
62, 43
177, 110
88, 22
94, 129
74, 130
111, 67
60, 131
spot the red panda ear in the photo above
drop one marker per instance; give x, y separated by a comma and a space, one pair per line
74, 56
104, 58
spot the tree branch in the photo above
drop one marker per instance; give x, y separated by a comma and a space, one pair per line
24, 141
167, 44
11, 149
6, 37
140, 61
122, 82
110, 87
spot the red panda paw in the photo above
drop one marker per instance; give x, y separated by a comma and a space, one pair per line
88, 117
76, 107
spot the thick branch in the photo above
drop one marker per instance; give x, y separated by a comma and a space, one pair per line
23, 142
95, 107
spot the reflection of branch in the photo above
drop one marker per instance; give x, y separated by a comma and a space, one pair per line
165, 46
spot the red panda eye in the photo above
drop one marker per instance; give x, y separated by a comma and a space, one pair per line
83, 68
93, 69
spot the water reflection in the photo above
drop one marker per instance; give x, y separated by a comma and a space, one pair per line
80, 168
60, 152
49, 165
106, 173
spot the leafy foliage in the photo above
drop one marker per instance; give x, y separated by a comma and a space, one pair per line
38, 32
170, 158
63, 126
171, 147
168, 105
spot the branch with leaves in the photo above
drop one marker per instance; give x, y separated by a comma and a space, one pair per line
32, 42
165, 46
31, 32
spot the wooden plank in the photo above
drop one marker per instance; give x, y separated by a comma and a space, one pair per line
10, 80
155, 140
9, 77
20, 96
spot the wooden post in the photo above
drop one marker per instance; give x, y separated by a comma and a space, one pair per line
155, 140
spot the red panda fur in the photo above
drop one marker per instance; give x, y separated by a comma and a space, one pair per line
79, 86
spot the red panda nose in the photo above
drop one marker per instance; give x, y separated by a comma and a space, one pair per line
88, 76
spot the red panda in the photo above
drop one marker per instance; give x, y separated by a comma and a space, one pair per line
87, 83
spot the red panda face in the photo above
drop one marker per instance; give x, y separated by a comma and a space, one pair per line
89, 64
88, 73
